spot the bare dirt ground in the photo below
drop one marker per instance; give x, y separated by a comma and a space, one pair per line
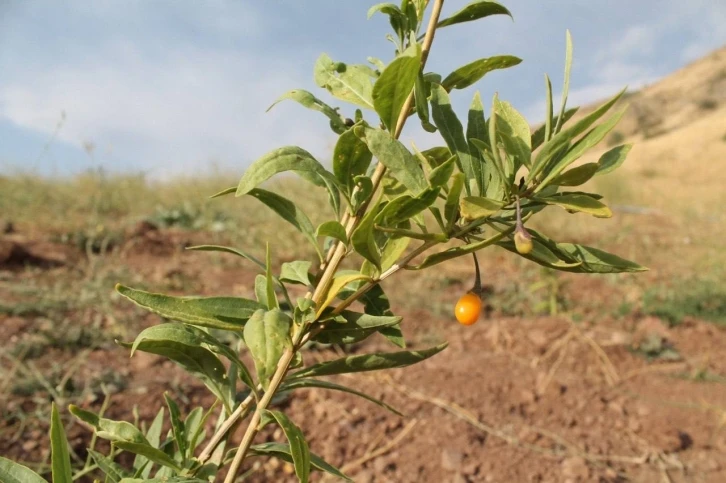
597, 397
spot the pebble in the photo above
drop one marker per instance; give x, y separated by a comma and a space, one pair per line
451, 459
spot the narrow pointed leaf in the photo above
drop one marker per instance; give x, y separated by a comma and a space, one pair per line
395, 84
283, 451
368, 362
233, 251
453, 133
613, 159
405, 207
289, 212
441, 175
339, 282
597, 261
566, 88
514, 132
475, 207
60, 457
363, 239
272, 302
476, 129
474, 11
421, 94
469, 74
576, 176
299, 449
356, 328
451, 208
288, 158
538, 136
579, 202
316, 383
177, 425
113, 471
549, 113
564, 137
225, 313
308, 100
581, 147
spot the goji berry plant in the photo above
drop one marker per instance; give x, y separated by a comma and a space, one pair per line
477, 189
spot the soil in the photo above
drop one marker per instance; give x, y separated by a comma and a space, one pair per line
530, 399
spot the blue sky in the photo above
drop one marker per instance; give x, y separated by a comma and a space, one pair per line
174, 87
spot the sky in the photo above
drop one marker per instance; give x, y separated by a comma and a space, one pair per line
180, 87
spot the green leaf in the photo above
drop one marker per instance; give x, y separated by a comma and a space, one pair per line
542, 254
177, 426
538, 136
351, 158
311, 102
339, 282
469, 74
474, 11
375, 302
576, 176
421, 92
460, 251
194, 425
394, 156
113, 471
296, 272
350, 83
363, 238
332, 229
316, 383
272, 302
175, 343
386, 8
581, 147
363, 191
451, 208
597, 261
453, 133
563, 138
12, 472
356, 328
261, 291
395, 84
395, 247
476, 129
405, 207
282, 451
441, 175
298, 446
233, 251
288, 158
60, 457
368, 362
289, 212
124, 436
225, 313
514, 132
153, 438
579, 202
267, 335
566, 88
613, 159
548, 114
475, 207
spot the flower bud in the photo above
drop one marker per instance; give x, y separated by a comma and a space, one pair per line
523, 240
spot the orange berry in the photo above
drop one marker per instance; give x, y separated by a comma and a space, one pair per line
468, 309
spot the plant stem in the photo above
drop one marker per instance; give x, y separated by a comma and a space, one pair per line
330, 268
352, 222
228, 423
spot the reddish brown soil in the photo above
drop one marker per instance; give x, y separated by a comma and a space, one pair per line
507, 401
